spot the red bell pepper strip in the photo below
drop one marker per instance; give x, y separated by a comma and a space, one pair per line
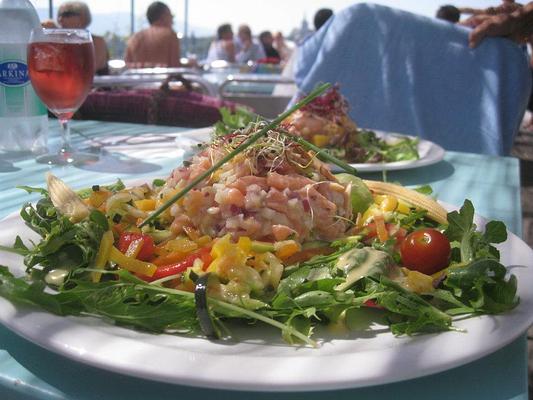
147, 250
181, 266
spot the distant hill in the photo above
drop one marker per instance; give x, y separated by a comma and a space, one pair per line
119, 23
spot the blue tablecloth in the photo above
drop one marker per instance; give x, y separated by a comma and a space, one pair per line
27, 371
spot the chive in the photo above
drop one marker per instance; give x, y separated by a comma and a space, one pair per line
251, 140
323, 155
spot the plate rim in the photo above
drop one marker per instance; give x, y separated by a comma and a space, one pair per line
102, 360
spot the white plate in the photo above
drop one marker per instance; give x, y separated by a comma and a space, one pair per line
343, 360
429, 152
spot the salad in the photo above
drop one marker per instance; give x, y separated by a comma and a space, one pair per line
325, 123
256, 229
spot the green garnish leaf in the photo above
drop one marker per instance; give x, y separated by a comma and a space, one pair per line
31, 189
158, 182
232, 121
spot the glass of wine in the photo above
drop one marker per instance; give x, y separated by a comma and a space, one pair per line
61, 68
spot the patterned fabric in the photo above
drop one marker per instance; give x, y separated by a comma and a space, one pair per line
160, 107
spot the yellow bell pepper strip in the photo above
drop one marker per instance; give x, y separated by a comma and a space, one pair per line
320, 140
145, 204
131, 264
418, 282
103, 255
286, 248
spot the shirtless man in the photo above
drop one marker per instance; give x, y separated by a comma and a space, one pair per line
157, 45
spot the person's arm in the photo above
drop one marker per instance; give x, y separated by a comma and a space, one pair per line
174, 56
517, 26
129, 56
472, 11
101, 54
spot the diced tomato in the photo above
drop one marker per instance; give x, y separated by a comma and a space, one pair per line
147, 249
373, 304
181, 266
393, 231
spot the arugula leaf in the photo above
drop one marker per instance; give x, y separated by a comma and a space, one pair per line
123, 302
232, 121
473, 245
18, 247
398, 150
410, 312
495, 232
460, 223
131, 302
482, 285
64, 244
18, 290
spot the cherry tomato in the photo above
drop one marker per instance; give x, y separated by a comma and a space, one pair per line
147, 249
425, 250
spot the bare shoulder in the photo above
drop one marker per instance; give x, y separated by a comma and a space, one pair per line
98, 40
166, 33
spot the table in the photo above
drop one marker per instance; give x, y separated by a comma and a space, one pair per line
29, 372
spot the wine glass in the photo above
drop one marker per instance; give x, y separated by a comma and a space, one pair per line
61, 68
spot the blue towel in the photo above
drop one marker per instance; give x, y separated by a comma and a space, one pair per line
411, 74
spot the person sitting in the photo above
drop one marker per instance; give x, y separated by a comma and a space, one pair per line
223, 48
281, 46
449, 13
158, 45
247, 48
76, 15
267, 41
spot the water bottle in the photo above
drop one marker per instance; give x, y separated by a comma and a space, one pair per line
23, 117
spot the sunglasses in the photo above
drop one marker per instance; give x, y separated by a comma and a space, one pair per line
66, 14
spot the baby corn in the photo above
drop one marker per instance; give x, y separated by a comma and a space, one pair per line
418, 200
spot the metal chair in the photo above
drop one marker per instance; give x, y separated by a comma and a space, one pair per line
255, 91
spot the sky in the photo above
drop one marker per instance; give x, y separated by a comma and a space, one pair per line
273, 15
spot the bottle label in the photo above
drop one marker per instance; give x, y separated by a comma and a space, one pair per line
13, 73
17, 97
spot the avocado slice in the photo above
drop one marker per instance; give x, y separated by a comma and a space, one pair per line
360, 195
